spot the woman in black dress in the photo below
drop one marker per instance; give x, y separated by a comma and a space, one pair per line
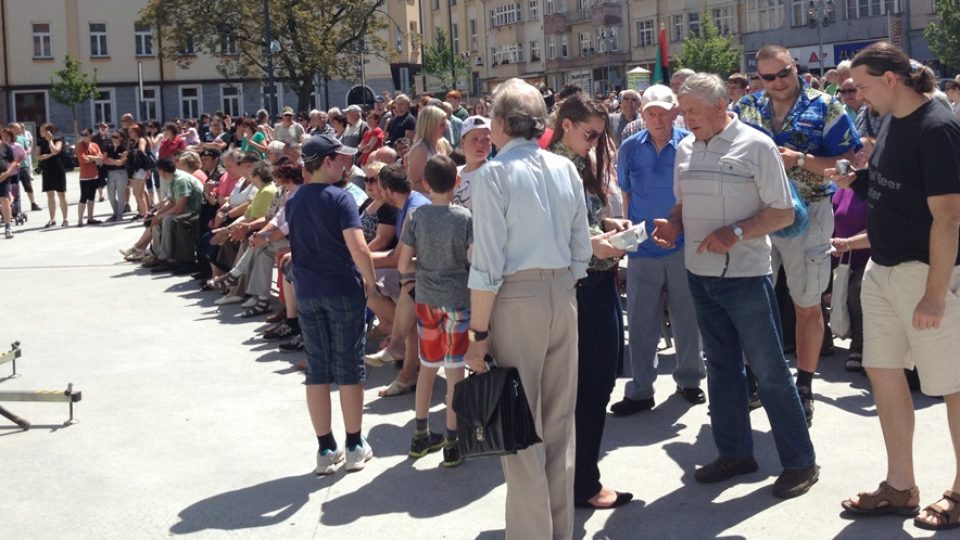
53, 173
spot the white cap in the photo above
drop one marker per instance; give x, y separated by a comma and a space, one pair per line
474, 122
658, 95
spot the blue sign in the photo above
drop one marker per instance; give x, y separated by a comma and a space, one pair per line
846, 51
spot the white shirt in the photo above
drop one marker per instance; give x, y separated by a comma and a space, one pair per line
528, 213
462, 194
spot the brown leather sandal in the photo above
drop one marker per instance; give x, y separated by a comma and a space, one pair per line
884, 501
946, 519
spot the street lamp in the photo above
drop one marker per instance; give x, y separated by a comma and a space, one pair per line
820, 13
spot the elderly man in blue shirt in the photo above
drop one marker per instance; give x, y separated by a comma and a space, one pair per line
645, 167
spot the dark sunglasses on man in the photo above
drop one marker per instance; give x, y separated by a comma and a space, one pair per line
782, 74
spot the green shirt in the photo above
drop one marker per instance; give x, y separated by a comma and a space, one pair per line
187, 185
257, 138
261, 202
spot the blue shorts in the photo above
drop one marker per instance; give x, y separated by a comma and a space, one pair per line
334, 338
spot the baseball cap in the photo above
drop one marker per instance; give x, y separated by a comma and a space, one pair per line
286, 111
353, 109
210, 152
320, 146
658, 95
474, 122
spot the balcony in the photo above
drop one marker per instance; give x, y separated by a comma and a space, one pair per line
579, 16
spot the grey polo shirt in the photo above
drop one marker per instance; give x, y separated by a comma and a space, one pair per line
723, 181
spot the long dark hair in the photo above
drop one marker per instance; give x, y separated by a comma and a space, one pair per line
578, 108
882, 57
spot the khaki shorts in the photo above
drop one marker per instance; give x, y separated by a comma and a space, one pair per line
388, 281
889, 296
806, 257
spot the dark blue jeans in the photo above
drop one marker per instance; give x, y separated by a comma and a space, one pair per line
600, 338
737, 317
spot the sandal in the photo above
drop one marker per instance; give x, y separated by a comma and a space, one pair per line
884, 501
397, 388
277, 317
946, 519
262, 306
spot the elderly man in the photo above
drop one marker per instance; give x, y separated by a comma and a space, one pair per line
732, 191
629, 105
287, 130
812, 131
848, 95
318, 124
531, 245
356, 127
645, 172
638, 124
403, 124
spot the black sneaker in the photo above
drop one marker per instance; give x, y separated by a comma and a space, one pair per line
451, 454
126, 208
725, 468
795, 482
693, 395
754, 401
628, 406
421, 445
34, 207
806, 399
294, 345
282, 332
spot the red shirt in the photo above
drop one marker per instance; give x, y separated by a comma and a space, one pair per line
88, 171
170, 147
378, 133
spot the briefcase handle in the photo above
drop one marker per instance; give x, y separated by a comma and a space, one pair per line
489, 360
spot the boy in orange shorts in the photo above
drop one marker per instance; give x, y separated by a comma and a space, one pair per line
439, 235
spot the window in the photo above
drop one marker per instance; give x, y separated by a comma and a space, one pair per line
585, 44
98, 39
504, 15
868, 8
676, 27
534, 51
607, 39
472, 25
551, 47
42, 47
798, 12
645, 33
144, 39
508, 54
564, 49
548, 5
436, 4
277, 98
723, 18
693, 23
533, 10
149, 105
103, 107
188, 48
231, 99
455, 37
583, 5
228, 45
189, 102
764, 15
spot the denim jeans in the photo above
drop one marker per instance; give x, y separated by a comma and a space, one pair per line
738, 317
334, 338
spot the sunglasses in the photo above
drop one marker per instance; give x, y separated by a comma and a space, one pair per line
590, 135
782, 74
847, 91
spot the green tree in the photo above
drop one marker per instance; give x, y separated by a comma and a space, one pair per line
440, 63
70, 87
943, 36
709, 51
317, 37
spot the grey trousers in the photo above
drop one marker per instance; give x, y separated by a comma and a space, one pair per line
116, 184
260, 274
646, 278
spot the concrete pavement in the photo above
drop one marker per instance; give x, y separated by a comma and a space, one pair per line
190, 425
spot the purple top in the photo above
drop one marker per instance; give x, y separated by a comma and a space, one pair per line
850, 218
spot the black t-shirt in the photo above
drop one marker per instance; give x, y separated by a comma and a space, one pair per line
399, 126
916, 157
6, 157
113, 152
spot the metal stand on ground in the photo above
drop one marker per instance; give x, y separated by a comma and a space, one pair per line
59, 396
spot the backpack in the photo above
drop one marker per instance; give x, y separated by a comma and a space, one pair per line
68, 156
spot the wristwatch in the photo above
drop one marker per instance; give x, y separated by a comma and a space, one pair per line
737, 230
801, 160
474, 335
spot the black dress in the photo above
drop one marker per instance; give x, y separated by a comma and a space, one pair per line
51, 170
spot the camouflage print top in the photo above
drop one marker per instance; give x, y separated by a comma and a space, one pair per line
818, 125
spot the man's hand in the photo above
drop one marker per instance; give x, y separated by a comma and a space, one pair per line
842, 180
719, 241
602, 249
614, 224
476, 353
790, 157
257, 240
239, 232
665, 233
929, 313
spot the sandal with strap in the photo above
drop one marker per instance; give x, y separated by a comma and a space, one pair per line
946, 519
884, 501
261, 307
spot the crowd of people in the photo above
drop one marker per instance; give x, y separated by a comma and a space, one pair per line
451, 236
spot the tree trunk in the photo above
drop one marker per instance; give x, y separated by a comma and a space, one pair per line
76, 132
303, 98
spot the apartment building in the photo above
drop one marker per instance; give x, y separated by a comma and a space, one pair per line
36, 36
587, 43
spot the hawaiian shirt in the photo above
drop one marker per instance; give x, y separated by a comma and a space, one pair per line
596, 210
818, 124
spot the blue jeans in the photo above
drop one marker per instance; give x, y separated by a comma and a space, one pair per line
738, 317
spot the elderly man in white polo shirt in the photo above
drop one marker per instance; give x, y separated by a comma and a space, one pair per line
731, 192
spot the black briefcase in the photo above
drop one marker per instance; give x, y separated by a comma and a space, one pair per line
493, 414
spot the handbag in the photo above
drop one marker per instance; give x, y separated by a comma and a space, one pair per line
800, 217
839, 313
493, 414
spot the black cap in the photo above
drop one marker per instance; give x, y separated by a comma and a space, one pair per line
210, 152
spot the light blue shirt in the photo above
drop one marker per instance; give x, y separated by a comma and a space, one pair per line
528, 213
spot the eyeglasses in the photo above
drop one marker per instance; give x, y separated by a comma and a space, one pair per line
782, 74
590, 135
847, 91
370, 179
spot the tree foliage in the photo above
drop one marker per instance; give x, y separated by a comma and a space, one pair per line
317, 37
440, 62
70, 86
943, 36
709, 51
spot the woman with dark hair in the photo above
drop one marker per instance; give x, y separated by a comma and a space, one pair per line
339, 124
911, 313
581, 134
139, 168
252, 138
90, 156
154, 138
53, 172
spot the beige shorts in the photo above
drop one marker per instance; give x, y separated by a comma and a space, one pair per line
806, 257
388, 281
889, 296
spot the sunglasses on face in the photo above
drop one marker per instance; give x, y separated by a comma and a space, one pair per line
589, 135
782, 74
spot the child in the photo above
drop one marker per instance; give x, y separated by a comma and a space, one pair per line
439, 235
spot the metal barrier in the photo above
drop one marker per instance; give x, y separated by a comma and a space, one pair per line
68, 396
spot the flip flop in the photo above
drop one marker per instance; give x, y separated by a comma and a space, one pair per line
397, 388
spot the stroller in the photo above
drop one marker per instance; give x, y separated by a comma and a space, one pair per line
19, 216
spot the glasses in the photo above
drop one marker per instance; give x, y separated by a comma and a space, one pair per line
847, 91
370, 179
590, 135
782, 74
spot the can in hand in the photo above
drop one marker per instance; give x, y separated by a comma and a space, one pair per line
843, 167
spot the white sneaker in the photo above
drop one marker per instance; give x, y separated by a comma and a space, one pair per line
327, 461
252, 301
228, 300
7, 233
358, 457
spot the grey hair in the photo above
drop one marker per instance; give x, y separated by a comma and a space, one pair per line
521, 108
314, 113
232, 155
707, 86
275, 146
401, 97
685, 73
844, 65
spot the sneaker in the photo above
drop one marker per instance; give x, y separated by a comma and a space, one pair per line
7, 233
806, 399
94, 221
228, 300
294, 345
854, 362
126, 208
451, 454
358, 456
628, 406
428, 443
34, 207
327, 460
725, 468
795, 482
282, 332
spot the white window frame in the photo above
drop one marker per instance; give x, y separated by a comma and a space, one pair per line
855, 10
189, 48
98, 38
455, 38
535, 55
181, 100
228, 45
43, 38
798, 12
551, 47
238, 97
143, 40
678, 27
600, 34
762, 16
263, 97
533, 10
693, 23
548, 7
646, 34
151, 102
586, 43
97, 103
504, 15
564, 47
723, 18
13, 103
474, 42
